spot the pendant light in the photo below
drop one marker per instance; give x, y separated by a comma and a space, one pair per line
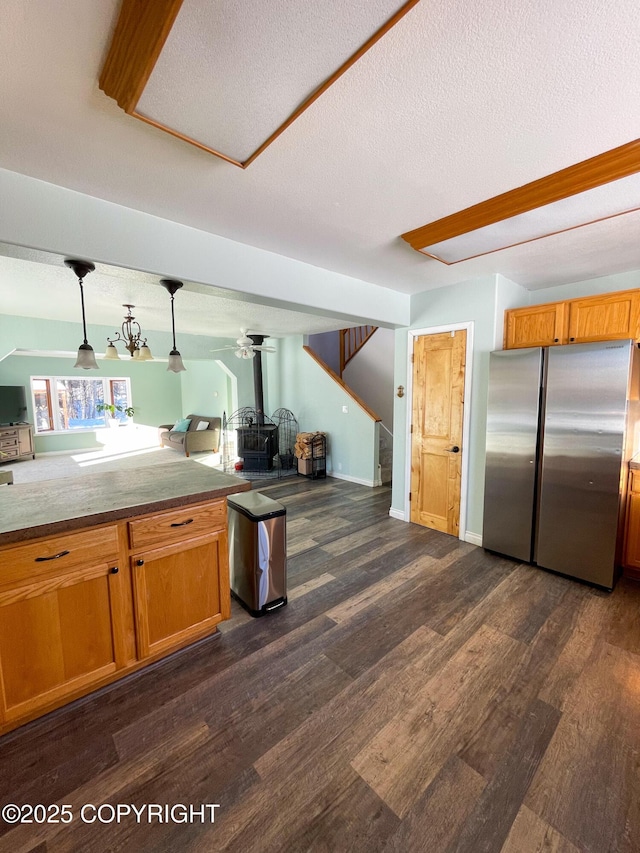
86, 356
175, 359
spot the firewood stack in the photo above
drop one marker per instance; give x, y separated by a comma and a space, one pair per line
304, 443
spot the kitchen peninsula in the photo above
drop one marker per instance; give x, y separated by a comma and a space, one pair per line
102, 574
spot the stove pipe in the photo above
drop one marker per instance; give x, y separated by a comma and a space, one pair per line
258, 340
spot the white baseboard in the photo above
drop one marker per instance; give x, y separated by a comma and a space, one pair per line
358, 480
397, 513
65, 452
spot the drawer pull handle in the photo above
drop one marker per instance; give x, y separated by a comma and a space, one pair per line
139, 562
182, 523
54, 557
115, 570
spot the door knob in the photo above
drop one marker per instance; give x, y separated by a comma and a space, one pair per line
454, 449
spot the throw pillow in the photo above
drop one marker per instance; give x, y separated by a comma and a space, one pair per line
202, 425
182, 425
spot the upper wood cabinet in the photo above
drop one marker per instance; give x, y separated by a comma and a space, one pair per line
604, 318
536, 326
611, 316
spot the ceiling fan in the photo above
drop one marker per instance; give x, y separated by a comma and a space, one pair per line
246, 347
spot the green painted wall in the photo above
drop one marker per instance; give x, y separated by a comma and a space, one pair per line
296, 382
605, 284
204, 389
468, 302
482, 301
158, 395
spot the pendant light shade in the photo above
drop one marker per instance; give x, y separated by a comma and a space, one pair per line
175, 359
86, 356
111, 352
175, 362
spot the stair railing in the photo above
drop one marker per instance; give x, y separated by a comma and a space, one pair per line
351, 341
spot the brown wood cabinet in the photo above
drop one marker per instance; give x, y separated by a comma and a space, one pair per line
81, 609
181, 584
61, 628
611, 316
536, 326
631, 558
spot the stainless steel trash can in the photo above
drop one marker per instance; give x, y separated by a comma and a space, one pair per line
257, 552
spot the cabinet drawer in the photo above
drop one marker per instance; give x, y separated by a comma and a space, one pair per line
58, 553
172, 526
8, 441
8, 452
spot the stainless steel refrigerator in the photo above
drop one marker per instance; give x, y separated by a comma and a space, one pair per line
560, 431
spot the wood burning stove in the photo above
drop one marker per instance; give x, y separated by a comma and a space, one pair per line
257, 445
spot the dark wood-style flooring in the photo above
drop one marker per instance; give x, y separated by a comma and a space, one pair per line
416, 694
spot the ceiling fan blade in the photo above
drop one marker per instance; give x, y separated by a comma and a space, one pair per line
263, 349
221, 349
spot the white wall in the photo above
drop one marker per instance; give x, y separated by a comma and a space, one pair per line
370, 374
54, 219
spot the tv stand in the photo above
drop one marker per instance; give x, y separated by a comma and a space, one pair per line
16, 442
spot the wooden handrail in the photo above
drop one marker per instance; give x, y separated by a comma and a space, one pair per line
351, 341
358, 400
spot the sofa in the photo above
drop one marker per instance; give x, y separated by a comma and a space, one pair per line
195, 438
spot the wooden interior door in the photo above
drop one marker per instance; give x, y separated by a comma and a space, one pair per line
436, 431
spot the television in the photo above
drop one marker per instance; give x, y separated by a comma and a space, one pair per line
13, 404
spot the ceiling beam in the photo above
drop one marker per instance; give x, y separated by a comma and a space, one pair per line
610, 166
138, 39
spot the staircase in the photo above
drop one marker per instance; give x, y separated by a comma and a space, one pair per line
352, 340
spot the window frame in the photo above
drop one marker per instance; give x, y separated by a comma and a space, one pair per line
51, 381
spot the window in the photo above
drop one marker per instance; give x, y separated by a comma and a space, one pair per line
63, 404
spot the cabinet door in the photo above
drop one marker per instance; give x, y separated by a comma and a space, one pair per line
57, 637
181, 592
25, 441
632, 529
535, 326
604, 318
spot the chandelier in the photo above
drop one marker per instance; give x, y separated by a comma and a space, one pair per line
131, 337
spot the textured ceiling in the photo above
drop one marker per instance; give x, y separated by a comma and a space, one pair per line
458, 102
45, 288
237, 59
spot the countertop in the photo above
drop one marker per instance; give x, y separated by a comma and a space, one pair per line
50, 507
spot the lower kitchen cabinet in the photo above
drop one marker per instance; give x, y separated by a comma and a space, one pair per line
82, 609
62, 623
181, 592
632, 528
